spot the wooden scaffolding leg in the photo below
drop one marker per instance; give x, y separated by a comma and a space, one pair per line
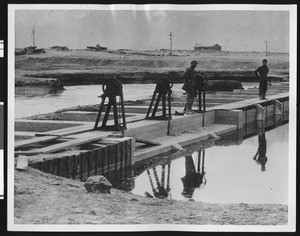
156, 105
115, 114
199, 101
106, 113
151, 104
164, 106
99, 113
123, 111
204, 107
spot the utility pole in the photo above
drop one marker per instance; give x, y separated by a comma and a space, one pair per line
33, 35
171, 35
266, 48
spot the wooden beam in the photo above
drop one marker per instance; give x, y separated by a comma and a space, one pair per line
28, 153
73, 143
67, 131
27, 142
148, 142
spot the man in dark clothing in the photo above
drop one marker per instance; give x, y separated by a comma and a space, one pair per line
189, 86
262, 72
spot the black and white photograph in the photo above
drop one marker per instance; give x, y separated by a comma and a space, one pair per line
152, 117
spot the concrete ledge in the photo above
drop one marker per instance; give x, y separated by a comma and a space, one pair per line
193, 122
169, 143
232, 117
151, 129
147, 129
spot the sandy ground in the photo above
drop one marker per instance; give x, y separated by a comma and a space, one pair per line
42, 198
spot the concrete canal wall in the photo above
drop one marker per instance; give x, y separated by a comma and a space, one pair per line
81, 164
72, 149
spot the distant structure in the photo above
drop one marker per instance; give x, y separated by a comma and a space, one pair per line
60, 48
97, 48
33, 34
29, 50
199, 48
171, 35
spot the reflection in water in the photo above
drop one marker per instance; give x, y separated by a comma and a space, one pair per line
155, 178
252, 129
260, 156
160, 191
122, 178
193, 178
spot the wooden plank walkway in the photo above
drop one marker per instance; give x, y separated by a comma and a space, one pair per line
248, 102
27, 142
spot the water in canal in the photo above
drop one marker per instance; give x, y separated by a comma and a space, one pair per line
74, 96
28, 105
248, 169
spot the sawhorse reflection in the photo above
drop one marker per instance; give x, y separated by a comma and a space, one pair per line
160, 191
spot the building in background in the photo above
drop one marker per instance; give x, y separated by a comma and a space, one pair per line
199, 48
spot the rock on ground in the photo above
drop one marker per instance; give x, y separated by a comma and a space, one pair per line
97, 184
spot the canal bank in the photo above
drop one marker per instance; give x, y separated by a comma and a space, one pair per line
41, 198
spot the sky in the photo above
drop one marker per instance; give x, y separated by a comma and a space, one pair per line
149, 29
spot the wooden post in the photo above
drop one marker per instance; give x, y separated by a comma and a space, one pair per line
278, 107
70, 165
93, 163
88, 163
261, 112
112, 157
64, 166
54, 166
100, 160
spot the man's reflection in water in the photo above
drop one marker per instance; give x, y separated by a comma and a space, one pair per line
192, 179
260, 156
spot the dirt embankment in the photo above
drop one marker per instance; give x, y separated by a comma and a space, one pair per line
80, 67
42, 198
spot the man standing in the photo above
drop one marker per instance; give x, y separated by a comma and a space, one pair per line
189, 86
262, 72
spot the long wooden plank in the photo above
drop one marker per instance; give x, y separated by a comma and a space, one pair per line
24, 134
72, 143
27, 142
67, 131
148, 142
249, 102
